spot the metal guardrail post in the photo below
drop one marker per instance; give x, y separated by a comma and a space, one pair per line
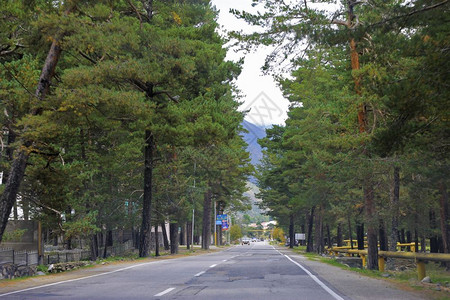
421, 272
364, 260
381, 263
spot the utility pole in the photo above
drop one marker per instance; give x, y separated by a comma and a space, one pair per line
215, 225
193, 211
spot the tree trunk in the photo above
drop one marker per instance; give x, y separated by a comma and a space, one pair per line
329, 243
318, 232
188, 235
309, 242
183, 234
291, 231
423, 244
94, 247
26, 208
17, 171
434, 244
383, 237
206, 232
443, 209
156, 240
339, 235
402, 236
165, 238
9, 195
395, 198
408, 240
144, 246
302, 242
10, 157
372, 236
369, 205
416, 240
219, 235
350, 232
174, 238
360, 235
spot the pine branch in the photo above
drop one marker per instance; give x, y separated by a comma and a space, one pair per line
412, 13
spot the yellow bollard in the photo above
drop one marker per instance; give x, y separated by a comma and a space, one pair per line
421, 272
381, 263
363, 257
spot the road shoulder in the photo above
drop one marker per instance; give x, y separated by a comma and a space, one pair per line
7, 286
354, 285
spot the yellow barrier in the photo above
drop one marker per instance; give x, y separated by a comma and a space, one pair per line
419, 258
411, 245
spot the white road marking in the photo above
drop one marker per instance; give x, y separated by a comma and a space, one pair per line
224, 260
212, 266
164, 292
77, 279
323, 285
277, 250
199, 274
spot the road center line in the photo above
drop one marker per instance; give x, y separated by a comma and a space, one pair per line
323, 285
164, 292
199, 274
212, 266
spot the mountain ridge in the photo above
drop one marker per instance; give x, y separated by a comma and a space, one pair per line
254, 132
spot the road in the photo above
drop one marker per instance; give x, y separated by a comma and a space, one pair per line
256, 271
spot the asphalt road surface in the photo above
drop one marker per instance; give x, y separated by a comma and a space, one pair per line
256, 271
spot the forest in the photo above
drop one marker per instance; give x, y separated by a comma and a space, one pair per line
118, 115
123, 114
364, 152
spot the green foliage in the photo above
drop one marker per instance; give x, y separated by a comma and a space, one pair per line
82, 227
235, 232
42, 268
320, 159
121, 73
278, 234
14, 236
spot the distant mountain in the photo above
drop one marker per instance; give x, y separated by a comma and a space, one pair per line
251, 137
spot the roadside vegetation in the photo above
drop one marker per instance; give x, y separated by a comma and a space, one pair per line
122, 116
363, 155
405, 278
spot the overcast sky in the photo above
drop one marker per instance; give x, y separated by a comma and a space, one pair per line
261, 94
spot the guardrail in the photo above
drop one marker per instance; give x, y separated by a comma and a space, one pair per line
419, 258
399, 245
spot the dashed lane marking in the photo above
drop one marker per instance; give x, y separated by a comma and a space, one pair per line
77, 279
164, 292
